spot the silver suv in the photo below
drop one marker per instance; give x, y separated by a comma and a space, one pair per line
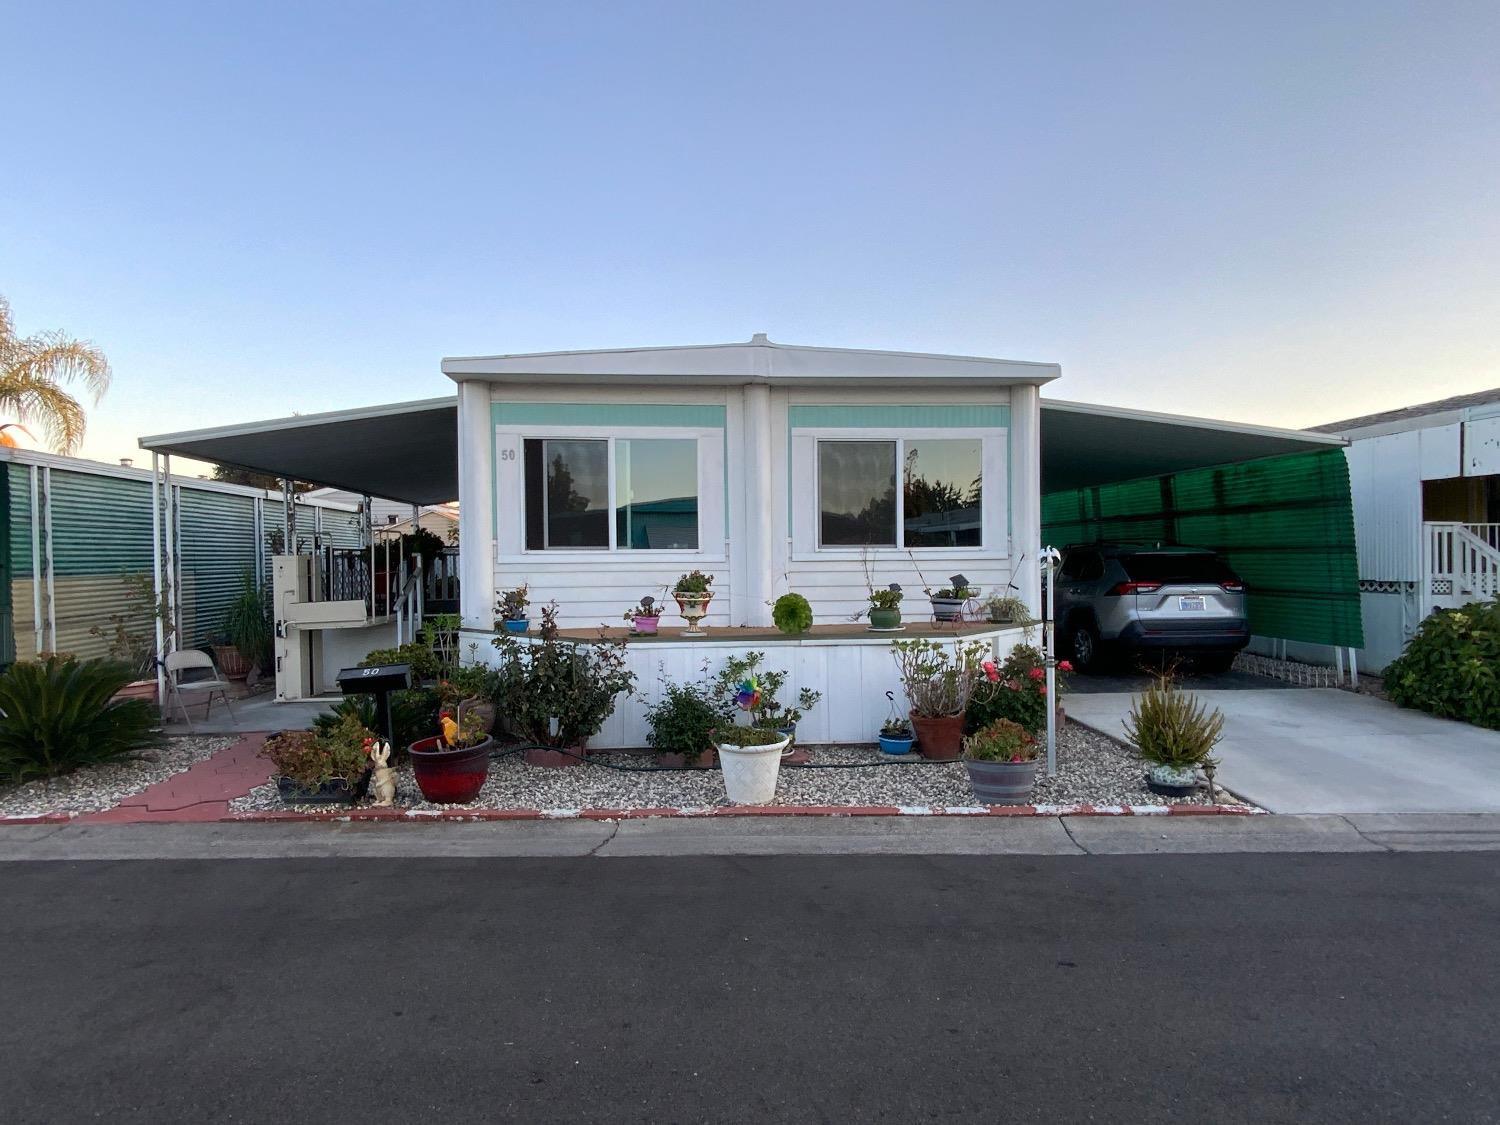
1149, 599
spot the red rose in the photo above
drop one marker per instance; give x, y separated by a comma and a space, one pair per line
1036, 673
1064, 666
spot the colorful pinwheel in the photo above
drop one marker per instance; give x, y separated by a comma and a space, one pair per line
748, 696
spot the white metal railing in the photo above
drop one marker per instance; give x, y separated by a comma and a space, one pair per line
1460, 562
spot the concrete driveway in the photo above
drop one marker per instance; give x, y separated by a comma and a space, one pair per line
1309, 750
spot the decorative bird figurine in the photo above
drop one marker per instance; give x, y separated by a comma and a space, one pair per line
748, 696
450, 728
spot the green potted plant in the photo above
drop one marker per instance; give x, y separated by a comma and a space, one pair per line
327, 767
644, 617
750, 761
746, 684
451, 767
948, 603
1005, 609
939, 680
896, 736
510, 610
556, 694
680, 725
1175, 734
885, 609
247, 641
792, 614
1001, 762
692, 593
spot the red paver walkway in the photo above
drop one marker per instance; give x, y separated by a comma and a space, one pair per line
201, 792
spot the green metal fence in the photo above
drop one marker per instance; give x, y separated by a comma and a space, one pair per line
1286, 524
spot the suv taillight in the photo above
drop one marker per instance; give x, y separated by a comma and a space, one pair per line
1233, 586
1123, 588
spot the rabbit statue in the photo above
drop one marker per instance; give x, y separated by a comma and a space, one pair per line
383, 781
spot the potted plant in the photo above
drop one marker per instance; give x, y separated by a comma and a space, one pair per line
692, 593
471, 687
948, 603
745, 683
680, 725
644, 617
327, 767
451, 767
750, 759
896, 736
556, 694
1005, 609
1175, 733
885, 609
792, 614
510, 610
1001, 760
246, 641
939, 680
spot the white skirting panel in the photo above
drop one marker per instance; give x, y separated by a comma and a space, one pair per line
852, 674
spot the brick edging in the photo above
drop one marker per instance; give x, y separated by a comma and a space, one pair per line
713, 812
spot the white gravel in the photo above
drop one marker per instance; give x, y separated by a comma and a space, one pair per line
104, 787
1092, 769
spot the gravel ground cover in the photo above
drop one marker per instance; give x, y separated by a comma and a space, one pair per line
103, 787
1092, 769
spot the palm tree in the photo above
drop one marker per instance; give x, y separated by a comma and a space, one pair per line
30, 373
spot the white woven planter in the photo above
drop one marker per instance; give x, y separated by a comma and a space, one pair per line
750, 772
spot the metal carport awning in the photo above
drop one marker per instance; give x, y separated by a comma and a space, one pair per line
404, 451
408, 451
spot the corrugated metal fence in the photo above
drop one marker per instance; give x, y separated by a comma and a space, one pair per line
1284, 523
77, 533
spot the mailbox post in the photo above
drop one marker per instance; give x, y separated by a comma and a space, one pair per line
378, 681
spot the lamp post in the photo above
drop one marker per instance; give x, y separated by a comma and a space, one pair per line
1049, 635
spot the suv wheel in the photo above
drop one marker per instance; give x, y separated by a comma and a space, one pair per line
1083, 640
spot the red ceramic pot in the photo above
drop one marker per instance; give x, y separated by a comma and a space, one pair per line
450, 776
940, 739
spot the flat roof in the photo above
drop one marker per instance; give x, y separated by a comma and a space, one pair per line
757, 360
408, 451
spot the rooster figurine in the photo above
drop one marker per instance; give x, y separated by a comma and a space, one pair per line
450, 728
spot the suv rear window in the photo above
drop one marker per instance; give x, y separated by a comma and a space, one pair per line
1171, 568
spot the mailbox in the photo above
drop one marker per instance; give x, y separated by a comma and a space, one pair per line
378, 681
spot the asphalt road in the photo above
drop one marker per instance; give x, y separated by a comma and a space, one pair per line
1354, 988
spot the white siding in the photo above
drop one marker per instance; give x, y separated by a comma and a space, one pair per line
1386, 487
1482, 446
1440, 454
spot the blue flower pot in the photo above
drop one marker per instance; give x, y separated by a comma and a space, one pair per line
515, 624
891, 745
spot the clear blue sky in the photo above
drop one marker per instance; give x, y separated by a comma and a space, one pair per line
1283, 213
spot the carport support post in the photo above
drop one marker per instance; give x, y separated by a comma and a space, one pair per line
477, 502
1049, 629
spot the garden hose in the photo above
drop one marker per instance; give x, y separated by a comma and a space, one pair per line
589, 760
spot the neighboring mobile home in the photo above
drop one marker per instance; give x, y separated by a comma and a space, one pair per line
1425, 481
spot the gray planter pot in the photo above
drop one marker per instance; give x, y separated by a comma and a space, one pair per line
948, 609
1172, 781
1002, 783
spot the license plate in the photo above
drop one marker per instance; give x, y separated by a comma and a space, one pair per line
1193, 604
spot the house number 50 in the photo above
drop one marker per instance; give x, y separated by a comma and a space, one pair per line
507, 455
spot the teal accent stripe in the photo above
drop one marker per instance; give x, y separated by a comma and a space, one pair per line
604, 414
957, 416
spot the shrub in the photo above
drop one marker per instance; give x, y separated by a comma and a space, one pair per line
1171, 727
938, 680
58, 715
792, 614
684, 719
339, 749
1001, 741
1015, 689
886, 599
1451, 668
573, 683
767, 711
414, 715
694, 582
424, 663
511, 605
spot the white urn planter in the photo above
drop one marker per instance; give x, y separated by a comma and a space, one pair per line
750, 772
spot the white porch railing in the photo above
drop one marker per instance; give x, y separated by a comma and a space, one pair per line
1460, 564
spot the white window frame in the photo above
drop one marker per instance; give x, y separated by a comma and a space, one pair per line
510, 484
807, 465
